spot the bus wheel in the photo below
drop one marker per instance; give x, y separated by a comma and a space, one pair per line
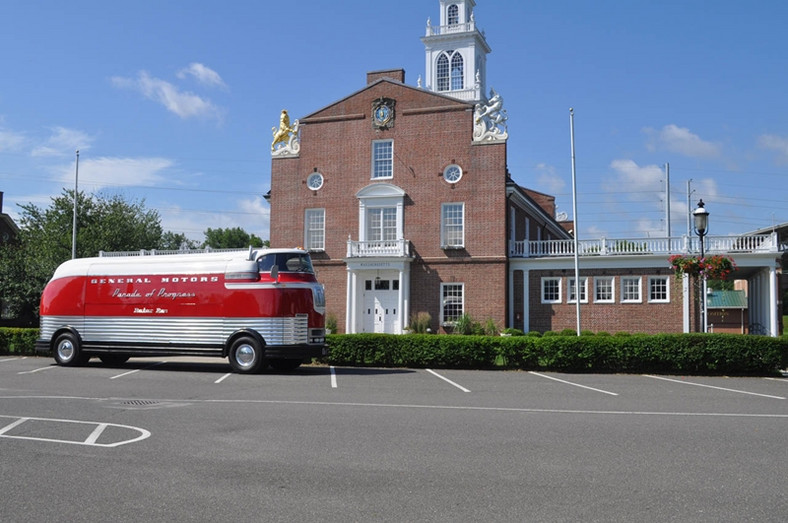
68, 352
246, 355
113, 359
284, 364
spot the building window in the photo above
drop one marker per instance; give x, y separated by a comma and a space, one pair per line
382, 224
551, 290
382, 159
452, 173
570, 291
452, 300
454, 14
604, 289
659, 289
443, 71
630, 289
315, 229
452, 225
457, 81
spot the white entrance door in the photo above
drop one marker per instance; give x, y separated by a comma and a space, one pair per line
381, 313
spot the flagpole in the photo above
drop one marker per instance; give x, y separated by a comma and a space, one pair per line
74, 224
574, 216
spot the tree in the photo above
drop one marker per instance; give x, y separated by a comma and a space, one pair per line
171, 241
235, 238
44, 242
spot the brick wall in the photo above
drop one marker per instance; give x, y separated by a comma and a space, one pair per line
643, 317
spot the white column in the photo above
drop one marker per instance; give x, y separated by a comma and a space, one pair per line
686, 306
510, 304
350, 309
526, 298
774, 320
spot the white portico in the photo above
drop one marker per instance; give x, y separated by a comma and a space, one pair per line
378, 264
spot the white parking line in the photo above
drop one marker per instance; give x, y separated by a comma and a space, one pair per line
333, 377
13, 359
713, 387
91, 440
573, 384
137, 370
447, 380
223, 378
37, 370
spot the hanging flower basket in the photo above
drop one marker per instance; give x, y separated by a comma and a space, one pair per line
715, 267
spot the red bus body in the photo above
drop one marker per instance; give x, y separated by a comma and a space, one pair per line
192, 304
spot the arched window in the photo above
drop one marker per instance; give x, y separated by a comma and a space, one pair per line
457, 72
443, 72
454, 14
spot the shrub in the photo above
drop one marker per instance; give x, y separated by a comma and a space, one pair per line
420, 322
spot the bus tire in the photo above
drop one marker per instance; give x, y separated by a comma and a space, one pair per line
246, 355
67, 351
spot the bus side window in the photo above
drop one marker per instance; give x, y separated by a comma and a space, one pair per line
264, 263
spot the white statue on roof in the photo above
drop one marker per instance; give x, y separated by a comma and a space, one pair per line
489, 120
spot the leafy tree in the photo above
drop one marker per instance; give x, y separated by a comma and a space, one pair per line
44, 242
171, 241
235, 238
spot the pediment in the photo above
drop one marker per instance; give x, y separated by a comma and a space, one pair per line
380, 190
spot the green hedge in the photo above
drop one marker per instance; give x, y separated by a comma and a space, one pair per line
666, 353
729, 354
17, 341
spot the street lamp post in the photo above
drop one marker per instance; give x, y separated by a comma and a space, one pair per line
701, 219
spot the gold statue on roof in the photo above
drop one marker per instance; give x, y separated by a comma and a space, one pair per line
285, 136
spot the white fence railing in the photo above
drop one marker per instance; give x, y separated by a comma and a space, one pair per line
368, 249
632, 246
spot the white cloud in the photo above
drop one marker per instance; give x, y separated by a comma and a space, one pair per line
252, 215
775, 143
632, 178
182, 103
680, 140
97, 173
549, 180
10, 141
63, 142
204, 75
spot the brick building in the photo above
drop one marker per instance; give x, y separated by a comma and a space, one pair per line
403, 197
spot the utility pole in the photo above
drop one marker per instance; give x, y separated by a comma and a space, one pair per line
574, 211
689, 209
667, 199
74, 224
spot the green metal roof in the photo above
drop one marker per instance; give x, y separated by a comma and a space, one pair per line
726, 300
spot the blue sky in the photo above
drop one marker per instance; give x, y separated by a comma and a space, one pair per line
174, 102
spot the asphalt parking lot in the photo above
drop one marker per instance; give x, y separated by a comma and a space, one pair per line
183, 439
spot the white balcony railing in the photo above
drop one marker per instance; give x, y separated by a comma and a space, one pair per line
630, 246
433, 30
384, 248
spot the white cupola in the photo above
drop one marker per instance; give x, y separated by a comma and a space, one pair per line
456, 53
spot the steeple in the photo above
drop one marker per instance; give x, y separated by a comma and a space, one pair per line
456, 53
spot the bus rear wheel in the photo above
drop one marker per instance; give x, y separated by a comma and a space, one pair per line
246, 355
68, 352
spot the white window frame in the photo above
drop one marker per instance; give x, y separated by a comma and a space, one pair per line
550, 279
583, 290
315, 237
447, 227
600, 279
451, 299
651, 281
388, 162
624, 298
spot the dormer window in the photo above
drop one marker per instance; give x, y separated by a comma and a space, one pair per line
453, 14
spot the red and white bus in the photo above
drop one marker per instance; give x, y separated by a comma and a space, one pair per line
256, 307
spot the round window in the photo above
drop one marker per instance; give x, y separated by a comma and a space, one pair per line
452, 173
315, 181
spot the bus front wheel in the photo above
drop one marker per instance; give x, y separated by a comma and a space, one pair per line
68, 352
246, 355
